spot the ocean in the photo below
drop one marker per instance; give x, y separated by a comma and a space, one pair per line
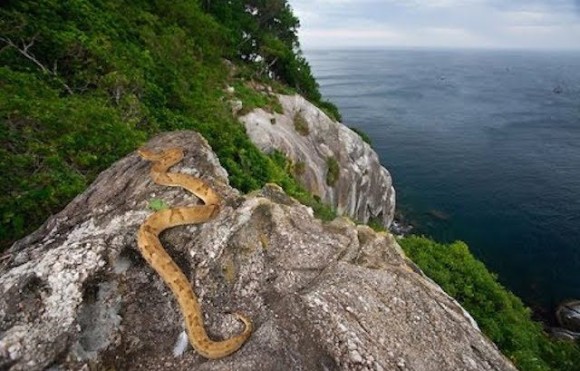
483, 146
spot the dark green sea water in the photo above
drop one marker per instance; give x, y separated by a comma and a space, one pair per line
483, 146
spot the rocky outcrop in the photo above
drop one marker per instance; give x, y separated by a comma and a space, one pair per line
568, 315
76, 294
329, 160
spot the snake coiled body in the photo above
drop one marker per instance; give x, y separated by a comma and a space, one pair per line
163, 264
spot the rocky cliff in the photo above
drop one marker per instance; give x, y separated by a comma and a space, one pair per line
329, 160
76, 294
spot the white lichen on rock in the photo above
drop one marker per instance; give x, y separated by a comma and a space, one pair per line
364, 188
321, 295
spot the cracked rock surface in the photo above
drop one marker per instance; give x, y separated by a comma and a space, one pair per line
76, 294
363, 189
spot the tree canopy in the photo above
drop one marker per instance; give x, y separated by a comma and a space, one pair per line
84, 82
265, 32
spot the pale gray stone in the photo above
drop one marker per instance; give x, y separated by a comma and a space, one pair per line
236, 104
364, 188
322, 296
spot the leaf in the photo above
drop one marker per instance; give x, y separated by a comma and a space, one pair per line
157, 204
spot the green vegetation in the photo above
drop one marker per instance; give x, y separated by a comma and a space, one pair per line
364, 136
83, 83
333, 172
284, 167
301, 125
298, 168
157, 204
252, 98
376, 224
500, 314
330, 109
265, 33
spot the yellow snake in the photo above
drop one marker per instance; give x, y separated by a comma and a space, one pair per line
157, 257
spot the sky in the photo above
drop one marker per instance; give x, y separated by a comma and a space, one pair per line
505, 24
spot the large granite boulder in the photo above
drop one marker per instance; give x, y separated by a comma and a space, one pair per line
329, 159
76, 294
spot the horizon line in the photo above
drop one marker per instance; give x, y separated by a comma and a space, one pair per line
438, 47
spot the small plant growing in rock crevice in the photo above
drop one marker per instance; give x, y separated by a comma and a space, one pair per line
157, 204
298, 168
301, 125
376, 224
333, 171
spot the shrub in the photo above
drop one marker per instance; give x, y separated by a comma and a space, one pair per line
376, 224
253, 99
329, 108
298, 168
301, 125
101, 78
364, 136
501, 315
333, 171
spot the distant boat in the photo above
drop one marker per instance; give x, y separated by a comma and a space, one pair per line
558, 90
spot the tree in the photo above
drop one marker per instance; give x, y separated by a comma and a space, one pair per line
266, 34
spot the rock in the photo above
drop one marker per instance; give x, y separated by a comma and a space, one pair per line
358, 187
236, 104
76, 294
568, 315
400, 229
563, 334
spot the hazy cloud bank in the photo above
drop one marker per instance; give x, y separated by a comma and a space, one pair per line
532, 24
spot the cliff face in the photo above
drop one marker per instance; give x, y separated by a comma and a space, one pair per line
329, 160
76, 294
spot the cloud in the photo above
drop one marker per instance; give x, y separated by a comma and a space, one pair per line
440, 3
439, 23
358, 36
526, 17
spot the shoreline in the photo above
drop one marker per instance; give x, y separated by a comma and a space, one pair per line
546, 315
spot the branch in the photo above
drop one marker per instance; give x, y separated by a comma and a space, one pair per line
272, 63
24, 51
